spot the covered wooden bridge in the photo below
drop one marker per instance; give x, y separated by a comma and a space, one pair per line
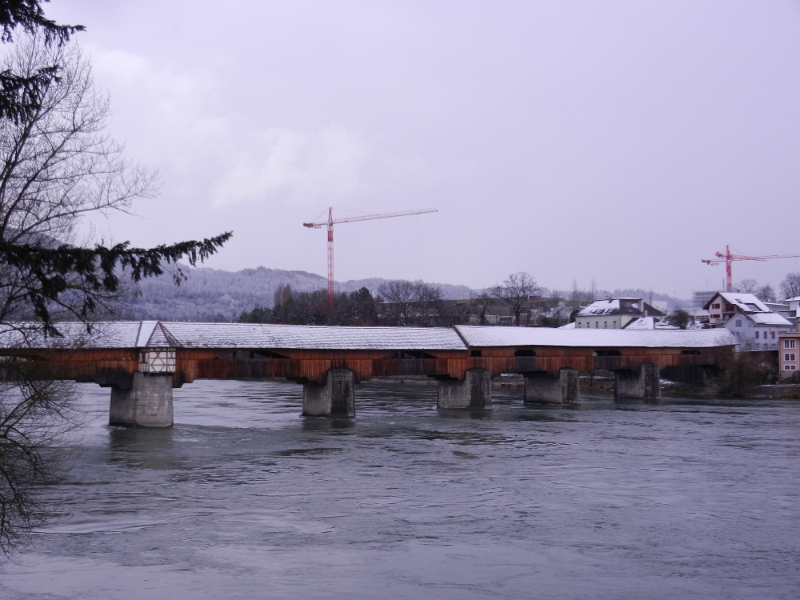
143, 360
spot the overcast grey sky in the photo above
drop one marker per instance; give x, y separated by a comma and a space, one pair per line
620, 141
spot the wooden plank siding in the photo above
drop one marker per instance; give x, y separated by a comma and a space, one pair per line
116, 366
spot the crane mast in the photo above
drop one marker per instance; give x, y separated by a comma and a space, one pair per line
331, 222
728, 258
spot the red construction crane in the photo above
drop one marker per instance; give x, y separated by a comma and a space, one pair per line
728, 258
331, 222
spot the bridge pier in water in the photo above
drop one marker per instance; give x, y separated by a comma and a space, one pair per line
644, 385
474, 393
541, 387
148, 402
332, 398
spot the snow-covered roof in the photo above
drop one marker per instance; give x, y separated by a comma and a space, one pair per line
618, 306
770, 319
140, 334
648, 324
311, 337
745, 302
113, 334
486, 337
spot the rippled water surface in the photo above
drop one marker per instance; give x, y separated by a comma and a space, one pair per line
245, 499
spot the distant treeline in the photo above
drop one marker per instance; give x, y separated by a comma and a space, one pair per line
398, 303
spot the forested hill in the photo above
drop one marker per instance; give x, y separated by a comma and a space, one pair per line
213, 295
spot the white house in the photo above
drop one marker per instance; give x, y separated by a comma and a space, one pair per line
723, 305
614, 313
791, 310
757, 330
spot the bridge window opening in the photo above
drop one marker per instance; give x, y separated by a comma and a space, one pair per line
475, 353
524, 353
409, 355
261, 354
690, 351
607, 353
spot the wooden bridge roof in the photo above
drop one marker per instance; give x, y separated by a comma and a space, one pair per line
142, 334
487, 337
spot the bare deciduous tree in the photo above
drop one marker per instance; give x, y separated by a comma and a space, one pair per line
398, 297
765, 293
516, 291
33, 416
56, 166
408, 303
747, 286
790, 286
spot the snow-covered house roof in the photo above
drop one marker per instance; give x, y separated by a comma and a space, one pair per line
769, 319
620, 306
648, 324
746, 303
487, 337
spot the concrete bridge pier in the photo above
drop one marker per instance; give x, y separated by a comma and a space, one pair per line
474, 393
644, 385
148, 403
541, 387
332, 398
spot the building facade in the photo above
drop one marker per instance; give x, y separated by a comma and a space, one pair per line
614, 313
757, 331
788, 354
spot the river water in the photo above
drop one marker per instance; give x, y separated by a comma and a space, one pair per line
243, 498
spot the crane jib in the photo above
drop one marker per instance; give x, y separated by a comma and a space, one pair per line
331, 222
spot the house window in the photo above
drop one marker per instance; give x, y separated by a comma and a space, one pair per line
614, 324
605, 324
738, 322
756, 331
788, 357
788, 343
715, 306
597, 324
773, 334
789, 368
